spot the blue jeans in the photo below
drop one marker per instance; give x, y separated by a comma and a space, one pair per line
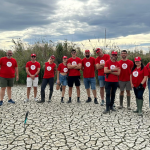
88, 81
101, 80
63, 79
139, 93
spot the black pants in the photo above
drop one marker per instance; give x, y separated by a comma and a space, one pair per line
139, 93
110, 88
50, 81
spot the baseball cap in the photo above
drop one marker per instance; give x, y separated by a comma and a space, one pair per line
114, 52
53, 57
137, 59
33, 55
97, 50
87, 51
64, 57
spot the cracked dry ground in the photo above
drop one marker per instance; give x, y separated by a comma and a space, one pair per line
56, 126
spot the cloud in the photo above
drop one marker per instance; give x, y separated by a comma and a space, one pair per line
75, 20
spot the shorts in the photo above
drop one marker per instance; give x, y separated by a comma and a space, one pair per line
6, 82
34, 82
126, 84
101, 80
63, 79
72, 80
88, 81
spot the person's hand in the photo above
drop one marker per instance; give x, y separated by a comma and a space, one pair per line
115, 69
140, 86
132, 85
58, 82
17, 78
32, 77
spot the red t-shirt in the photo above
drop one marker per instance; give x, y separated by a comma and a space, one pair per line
148, 68
88, 67
100, 60
8, 67
111, 65
76, 61
49, 70
126, 67
138, 75
33, 67
62, 68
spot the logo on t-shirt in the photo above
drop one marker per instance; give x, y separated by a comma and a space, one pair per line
9, 64
88, 64
49, 68
65, 69
135, 73
112, 66
33, 67
102, 61
124, 66
74, 63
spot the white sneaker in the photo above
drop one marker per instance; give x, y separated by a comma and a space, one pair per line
26, 100
36, 99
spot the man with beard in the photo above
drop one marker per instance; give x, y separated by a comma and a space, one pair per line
100, 62
124, 78
88, 68
112, 70
9, 68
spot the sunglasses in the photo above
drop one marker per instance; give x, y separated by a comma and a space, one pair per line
114, 55
73, 52
33, 56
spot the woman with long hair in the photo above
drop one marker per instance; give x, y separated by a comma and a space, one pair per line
49, 73
138, 80
62, 72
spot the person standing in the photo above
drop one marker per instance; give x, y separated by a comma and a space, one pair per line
74, 65
88, 68
112, 71
100, 62
138, 80
124, 78
148, 68
8, 70
32, 70
62, 72
49, 73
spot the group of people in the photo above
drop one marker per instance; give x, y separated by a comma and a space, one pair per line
111, 74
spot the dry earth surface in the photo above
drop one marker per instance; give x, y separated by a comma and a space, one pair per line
74, 126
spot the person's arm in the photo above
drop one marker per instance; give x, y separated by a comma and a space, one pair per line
58, 82
38, 70
71, 66
17, 73
55, 70
116, 72
144, 79
100, 66
79, 66
27, 71
131, 81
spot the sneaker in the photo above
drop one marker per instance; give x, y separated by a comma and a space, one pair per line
102, 103
88, 100
26, 100
11, 101
112, 109
1, 103
36, 99
105, 111
114, 105
95, 101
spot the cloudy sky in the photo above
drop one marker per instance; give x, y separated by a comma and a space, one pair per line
127, 23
